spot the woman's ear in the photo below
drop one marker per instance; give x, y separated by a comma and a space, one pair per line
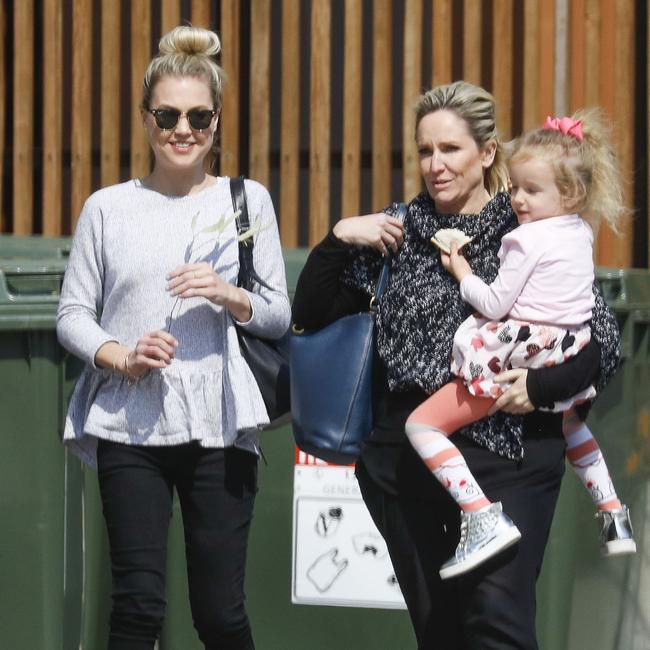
488, 152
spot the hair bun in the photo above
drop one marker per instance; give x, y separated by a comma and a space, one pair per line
190, 41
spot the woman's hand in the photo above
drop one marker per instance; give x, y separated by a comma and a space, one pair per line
153, 350
515, 400
200, 279
455, 263
379, 231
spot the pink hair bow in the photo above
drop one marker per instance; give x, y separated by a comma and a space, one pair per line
565, 125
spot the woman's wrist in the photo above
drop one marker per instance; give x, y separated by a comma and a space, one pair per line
123, 363
533, 388
340, 231
238, 304
128, 371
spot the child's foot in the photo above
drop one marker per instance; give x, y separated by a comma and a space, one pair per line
483, 534
616, 532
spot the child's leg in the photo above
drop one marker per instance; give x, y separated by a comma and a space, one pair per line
588, 463
428, 429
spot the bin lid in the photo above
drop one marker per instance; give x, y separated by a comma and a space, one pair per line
29, 292
33, 247
624, 289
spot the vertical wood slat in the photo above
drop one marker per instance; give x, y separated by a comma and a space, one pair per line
561, 100
351, 171
110, 95
608, 246
53, 126
319, 130
381, 104
412, 71
623, 85
472, 41
140, 56
607, 51
170, 15
290, 123
259, 124
201, 13
530, 63
592, 47
502, 65
81, 116
577, 53
442, 45
229, 128
546, 97
23, 108
3, 115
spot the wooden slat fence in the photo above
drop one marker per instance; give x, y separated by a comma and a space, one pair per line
319, 100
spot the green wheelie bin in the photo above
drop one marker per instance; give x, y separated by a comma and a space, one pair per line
586, 600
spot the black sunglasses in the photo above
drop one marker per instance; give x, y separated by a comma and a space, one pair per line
167, 118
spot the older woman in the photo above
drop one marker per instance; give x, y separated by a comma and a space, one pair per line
518, 460
166, 400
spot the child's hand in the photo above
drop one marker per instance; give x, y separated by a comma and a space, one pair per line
455, 263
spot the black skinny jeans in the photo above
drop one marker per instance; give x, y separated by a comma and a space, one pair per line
217, 490
493, 606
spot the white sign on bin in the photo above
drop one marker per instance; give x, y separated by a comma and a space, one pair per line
339, 557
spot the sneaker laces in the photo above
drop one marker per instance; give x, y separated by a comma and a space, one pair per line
464, 533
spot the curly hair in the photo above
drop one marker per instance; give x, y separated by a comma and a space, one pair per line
586, 170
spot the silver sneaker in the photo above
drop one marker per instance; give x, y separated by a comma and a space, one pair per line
616, 532
483, 534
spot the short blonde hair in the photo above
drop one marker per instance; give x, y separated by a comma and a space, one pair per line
586, 171
186, 52
477, 108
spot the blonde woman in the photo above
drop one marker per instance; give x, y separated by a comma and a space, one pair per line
517, 460
166, 401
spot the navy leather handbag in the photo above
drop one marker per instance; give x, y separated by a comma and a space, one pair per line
331, 382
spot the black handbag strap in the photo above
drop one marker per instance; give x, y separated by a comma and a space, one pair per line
382, 282
247, 274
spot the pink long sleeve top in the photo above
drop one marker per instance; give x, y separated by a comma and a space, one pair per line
546, 275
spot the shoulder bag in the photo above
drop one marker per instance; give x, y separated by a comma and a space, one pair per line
267, 359
331, 381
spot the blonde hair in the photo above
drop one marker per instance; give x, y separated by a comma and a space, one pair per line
186, 52
586, 171
477, 108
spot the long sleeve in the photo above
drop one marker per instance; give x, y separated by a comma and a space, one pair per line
549, 385
596, 364
321, 297
128, 239
496, 300
81, 295
271, 310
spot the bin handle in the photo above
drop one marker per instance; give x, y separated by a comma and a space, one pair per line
7, 297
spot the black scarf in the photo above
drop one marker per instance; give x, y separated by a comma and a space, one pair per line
421, 309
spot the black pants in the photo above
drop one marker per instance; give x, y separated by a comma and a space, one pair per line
217, 489
489, 608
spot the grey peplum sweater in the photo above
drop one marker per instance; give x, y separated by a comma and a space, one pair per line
128, 238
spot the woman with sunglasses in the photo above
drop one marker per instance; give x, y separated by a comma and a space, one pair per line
166, 401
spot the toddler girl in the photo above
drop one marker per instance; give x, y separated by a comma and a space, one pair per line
535, 313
